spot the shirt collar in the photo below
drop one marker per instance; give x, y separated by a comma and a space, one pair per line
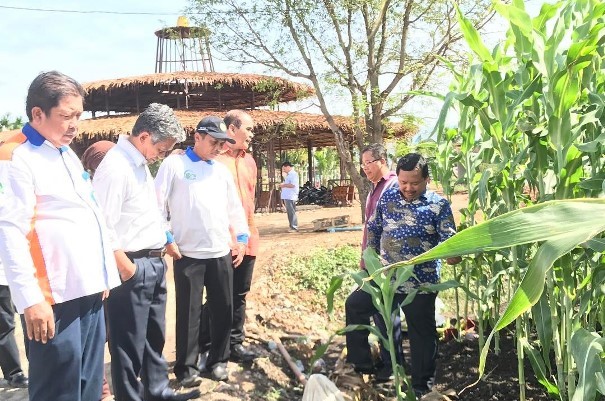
235, 153
36, 138
422, 197
33, 136
194, 157
135, 155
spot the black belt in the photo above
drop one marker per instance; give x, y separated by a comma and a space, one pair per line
146, 253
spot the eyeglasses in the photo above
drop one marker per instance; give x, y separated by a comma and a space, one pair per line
367, 164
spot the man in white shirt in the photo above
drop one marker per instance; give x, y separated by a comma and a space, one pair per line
54, 245
203, 202
136, 309
289, 194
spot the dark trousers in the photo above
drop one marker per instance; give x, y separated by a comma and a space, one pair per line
422, 332
359, 308
69, 367
137, 323
291, 210
9, 353
190, 277
242, 280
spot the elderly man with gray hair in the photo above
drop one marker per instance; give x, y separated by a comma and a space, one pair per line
136, 309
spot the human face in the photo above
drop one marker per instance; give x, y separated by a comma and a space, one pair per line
60, 127
242, 135
374, 168
412, 184
207, 147
153, 152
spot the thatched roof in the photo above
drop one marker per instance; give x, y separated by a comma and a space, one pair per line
191, 90
288, 130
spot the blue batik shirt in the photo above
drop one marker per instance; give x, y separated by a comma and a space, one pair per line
400, 230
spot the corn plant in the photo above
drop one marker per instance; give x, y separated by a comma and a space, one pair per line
531, 119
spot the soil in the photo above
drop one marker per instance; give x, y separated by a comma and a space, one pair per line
275, 313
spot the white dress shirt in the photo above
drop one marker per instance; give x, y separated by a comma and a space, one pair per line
203, 203
124, 187
54, 243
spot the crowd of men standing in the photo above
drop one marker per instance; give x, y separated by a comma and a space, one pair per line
69, 244
72, 242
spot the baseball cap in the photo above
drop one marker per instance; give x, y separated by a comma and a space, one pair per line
215, 127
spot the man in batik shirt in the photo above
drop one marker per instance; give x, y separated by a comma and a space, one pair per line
409, 220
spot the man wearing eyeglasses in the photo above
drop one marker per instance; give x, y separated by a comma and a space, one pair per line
375, 165
137, 308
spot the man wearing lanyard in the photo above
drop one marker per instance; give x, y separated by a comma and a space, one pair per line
136, 309
55, 246
203, 203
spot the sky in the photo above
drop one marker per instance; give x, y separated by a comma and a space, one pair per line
85, 46
90, 45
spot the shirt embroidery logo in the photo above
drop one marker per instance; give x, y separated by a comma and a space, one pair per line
190, 175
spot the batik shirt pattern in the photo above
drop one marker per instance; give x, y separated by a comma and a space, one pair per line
400, 230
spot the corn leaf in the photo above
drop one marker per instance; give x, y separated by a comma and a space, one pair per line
586, 348
537, 364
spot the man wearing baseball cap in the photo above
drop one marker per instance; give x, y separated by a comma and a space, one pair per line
203, 202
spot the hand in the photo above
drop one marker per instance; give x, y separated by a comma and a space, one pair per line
126, 268
238, 253
454, 260
40, 322
173, 251
105, 295
177, 152
127, 272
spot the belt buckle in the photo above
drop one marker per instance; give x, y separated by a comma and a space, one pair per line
157, 253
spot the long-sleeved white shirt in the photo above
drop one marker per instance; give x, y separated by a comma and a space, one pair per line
203, 202
124, 187
54, 243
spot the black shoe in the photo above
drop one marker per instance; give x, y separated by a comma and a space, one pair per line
18, 380
364, 369
384, 374
421, 392
201, 364
191, 381
219, 372
171, 395
239, 353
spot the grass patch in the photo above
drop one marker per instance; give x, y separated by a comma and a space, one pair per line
314, 272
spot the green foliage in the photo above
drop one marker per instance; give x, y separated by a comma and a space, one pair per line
530, 121
9, 123
326, 162
314, 272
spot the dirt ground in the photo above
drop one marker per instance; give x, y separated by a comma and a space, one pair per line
274, 311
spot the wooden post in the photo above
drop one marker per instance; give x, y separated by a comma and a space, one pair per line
310, 161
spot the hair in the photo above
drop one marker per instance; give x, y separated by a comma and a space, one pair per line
160, 122
413, 161
378, 151
286, 164
47, 90
234, 117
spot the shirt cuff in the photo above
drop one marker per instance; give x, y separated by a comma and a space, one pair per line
243, 238
169, 238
